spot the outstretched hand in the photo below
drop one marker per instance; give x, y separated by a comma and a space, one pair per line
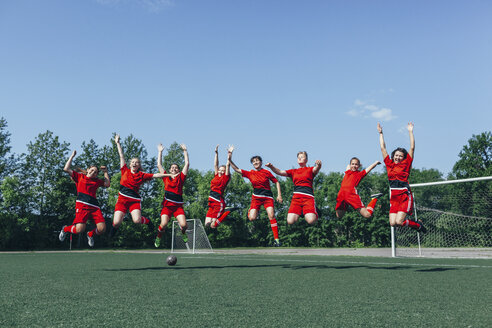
216, 149
269, 165
117, 138
410, 127
104, 168
160, 147
74, 153
230, 149
183, 147
380, 128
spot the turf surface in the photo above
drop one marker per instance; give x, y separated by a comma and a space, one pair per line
140, 289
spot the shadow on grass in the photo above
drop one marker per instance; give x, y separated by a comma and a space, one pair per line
285, 266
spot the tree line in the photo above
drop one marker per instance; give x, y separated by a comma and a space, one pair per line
37, 198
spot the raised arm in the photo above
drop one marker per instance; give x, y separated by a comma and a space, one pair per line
68, 164
276, 171
373, 165
107, 181
160, 149
381, 141
235, 168
229, 159
216, 160
317, 167
412, 139
120, 150
279, 192
187, 159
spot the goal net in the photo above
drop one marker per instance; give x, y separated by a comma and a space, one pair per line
197, 238
458, 218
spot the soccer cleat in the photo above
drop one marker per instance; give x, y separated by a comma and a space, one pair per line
185, 237
90, 240
277, 243
157, 242
377, 195
421, 228
62, 234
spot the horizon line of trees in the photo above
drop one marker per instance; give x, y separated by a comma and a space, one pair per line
37, 198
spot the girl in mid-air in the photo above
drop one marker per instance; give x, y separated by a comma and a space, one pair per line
129, 199
398, 167
348, 194
172, 205
262, 193
216, 205
303, 198
86, 205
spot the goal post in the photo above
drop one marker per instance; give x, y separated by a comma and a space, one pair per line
457, 215
197, 238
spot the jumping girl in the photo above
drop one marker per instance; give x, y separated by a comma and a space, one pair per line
172, 205
216, 204
129, 199
398, 168
348, 194
86, 205
262, 193
303, 198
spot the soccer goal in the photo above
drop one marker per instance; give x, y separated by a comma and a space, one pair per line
197, 238
458, 218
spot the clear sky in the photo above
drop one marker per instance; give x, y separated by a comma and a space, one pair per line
270, 77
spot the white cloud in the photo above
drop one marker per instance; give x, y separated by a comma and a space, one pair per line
366, 110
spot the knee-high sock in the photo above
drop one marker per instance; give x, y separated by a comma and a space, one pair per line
72, 228
160, 231
370, 206
274, 226
411, 224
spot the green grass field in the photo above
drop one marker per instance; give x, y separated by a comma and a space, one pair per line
141, 290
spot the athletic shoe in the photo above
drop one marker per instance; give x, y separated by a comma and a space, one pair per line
277, 243
157, 242
185, 237
62, 234
90, 240
422, 228
377, 195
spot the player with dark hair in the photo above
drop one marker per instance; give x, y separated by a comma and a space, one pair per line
86, 205
262, 193
348, 194
172, 205
129, 199
398, 168
216, 205
302, 202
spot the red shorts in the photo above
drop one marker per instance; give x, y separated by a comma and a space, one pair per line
302, 205
215, 209
401, 202
85, 212
344, 199
172, 209
126, 204
256, 202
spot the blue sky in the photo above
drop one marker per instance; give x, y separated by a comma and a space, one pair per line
270, 77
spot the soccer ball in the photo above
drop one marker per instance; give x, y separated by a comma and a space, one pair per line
171, 260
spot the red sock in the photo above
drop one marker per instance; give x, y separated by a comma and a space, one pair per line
411, 224
273, 224
72, 229
160, 231
222, 217
370, 206
144, 220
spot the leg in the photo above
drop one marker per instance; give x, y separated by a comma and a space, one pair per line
273, 224
364, 212
311, 218
160, 229
208, 221
292, 218
136, 216
252, 214
80, 227
182, 222
118, 219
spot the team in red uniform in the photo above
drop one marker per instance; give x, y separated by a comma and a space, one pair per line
172, 205
303, 198
129, 198
216, 205
398, 168
262, 193
348, 194
86, 205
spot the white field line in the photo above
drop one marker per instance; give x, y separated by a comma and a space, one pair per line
252, 258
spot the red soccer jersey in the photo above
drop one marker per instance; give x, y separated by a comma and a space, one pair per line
400, 171
259, 179
86, 185
302, 177
352, 179
218, 184
174, 185
133, 180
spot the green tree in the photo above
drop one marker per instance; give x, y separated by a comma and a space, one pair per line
475, 159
